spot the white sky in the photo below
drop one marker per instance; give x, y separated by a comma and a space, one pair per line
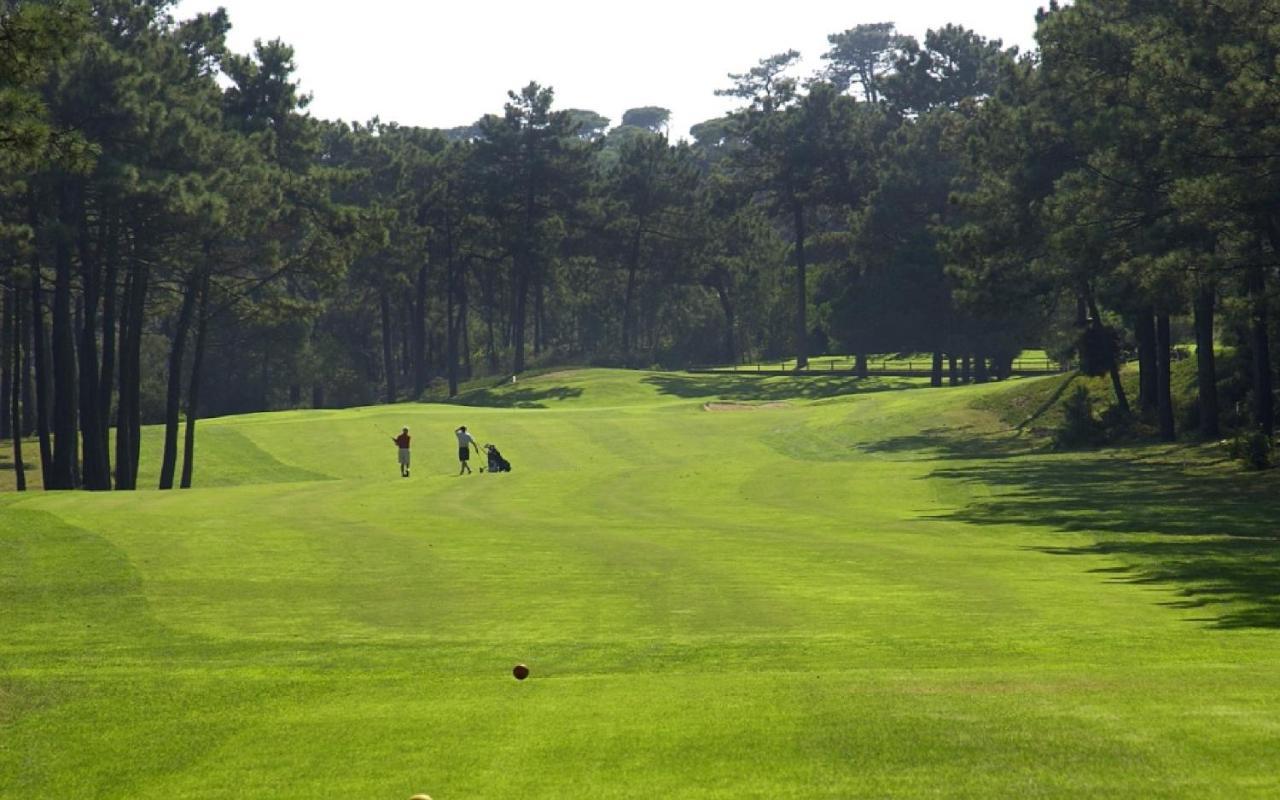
441, 63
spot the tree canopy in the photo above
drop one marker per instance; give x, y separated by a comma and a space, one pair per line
170, 209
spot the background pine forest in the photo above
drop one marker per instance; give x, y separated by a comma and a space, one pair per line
179, 238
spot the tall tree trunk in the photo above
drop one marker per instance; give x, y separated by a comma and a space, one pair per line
173, 398
1164, 360
1263, 402
629, 297
491, 345
193, 389
518, 318
406, 341
135, 343
129, 406
860, 365
509, 322
1002, 366
536, 291
65, 421
8, 370
41, 376
464, 324
433, 347
451, 316
420, 333
1117, 386
802, 294
388, 349
1122, 398
515, 307
1206, 366
730, 323
264, 380
92, 427
980, 374
628, 313
76, 320
13, 322
966, 368
453, 348
28, 385
1144, 331
935, 377
953, 375
124, 448
107, 378
539, 317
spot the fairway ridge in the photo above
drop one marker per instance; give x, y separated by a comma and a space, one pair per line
867, 589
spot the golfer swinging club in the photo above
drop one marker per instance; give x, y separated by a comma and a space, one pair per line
402, 442
465, 442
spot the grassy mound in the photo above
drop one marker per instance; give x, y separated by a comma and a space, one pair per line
854, 592
1036, 406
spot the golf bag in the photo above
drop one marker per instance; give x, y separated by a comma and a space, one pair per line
496, 462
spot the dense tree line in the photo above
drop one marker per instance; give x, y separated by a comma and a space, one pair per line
1130, 167
143, 204
179, 237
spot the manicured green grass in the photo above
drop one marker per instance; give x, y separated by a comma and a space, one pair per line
851, 590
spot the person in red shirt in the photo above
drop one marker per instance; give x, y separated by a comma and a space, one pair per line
402, 442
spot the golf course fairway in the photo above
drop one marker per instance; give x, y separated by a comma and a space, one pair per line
724, 586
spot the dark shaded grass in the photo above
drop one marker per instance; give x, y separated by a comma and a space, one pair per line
757, 387
499, 397
1213, 535
1235, 581
1175, 517
957, 443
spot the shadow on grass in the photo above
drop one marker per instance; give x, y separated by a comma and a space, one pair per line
1209, 531
1238, 574
963, 442
762, 387
516, 398
1212, 535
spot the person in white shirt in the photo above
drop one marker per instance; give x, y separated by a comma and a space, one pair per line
465, 442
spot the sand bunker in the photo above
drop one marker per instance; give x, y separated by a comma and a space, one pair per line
741, 406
